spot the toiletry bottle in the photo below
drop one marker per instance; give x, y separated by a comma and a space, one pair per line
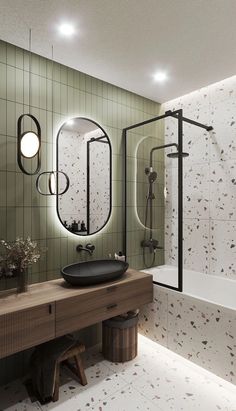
74, 227
120, 256
83, 228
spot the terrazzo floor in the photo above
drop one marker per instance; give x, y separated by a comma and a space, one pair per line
157, 380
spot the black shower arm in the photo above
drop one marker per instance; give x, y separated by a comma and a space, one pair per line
159, 148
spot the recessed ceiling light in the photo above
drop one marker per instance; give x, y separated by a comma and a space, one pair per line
160, 76
66, 29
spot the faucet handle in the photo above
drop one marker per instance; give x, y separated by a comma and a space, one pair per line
79, 248
90, 247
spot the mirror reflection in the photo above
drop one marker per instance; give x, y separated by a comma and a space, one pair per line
84, 154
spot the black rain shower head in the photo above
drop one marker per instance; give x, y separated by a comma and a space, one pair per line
176, 155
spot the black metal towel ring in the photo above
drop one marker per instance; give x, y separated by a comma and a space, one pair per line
50, 173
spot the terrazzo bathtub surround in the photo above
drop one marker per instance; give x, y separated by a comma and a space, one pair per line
200, 331
209, 180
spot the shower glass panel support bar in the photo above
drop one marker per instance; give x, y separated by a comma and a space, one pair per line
180, 201
93, 140
178, 114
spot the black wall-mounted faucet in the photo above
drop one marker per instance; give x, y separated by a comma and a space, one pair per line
89, 248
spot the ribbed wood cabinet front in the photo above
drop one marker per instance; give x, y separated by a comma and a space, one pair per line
26, 328
81, 311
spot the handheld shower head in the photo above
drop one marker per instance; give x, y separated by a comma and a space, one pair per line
152, 177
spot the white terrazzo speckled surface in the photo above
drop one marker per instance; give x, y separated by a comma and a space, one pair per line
156, 380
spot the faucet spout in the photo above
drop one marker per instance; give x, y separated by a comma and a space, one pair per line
89, 248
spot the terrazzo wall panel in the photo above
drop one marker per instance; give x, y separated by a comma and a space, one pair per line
23, 211
198, 330
209, 181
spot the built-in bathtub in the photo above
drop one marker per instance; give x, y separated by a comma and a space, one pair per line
199, 324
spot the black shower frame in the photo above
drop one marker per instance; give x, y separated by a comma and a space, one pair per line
178, 114
95, 140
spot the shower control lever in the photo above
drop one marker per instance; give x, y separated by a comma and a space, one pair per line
152, 244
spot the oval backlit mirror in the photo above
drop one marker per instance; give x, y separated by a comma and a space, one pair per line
84, 154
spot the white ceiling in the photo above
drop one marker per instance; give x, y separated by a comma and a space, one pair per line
125, 42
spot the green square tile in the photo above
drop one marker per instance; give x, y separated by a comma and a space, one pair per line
19, 86
88, 105
11, 55
82, 81
11, 224
3, 153
43, 67
35, 63
43, 93
27, 220
64, 75
11, 83
35, 90
76, 79
26, 60
11, 154
56, 72
64, 99
11, 119
71, 112
56, 97
26, 88
3, 188
11, 189
49, 94
88, 84
27, 190
70, 81
3, 52
19, 193
3, 222
19, 222
109, 92
36, 223
3, 77
49, 67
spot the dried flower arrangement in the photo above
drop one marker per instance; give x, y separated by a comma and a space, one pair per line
18, 256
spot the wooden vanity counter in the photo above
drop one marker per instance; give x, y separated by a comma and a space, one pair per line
54, 308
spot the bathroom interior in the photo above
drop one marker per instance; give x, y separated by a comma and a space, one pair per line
117, 205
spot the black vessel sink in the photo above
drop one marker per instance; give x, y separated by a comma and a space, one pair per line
94, 272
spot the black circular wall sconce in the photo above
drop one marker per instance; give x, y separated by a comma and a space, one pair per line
28, 144
52, 183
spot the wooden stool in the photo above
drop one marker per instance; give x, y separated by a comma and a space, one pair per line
78, 369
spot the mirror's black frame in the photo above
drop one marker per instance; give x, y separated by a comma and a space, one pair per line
57, 169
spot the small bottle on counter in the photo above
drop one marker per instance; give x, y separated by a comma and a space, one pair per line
119, 256
83, 228
74, 227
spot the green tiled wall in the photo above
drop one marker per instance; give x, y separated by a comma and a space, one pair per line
23, 211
